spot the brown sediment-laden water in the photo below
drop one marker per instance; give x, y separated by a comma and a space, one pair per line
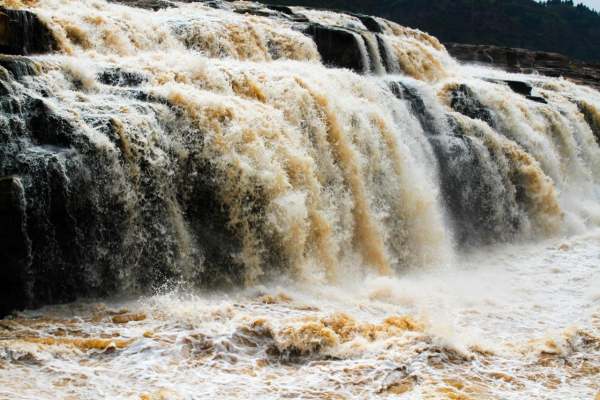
229, 200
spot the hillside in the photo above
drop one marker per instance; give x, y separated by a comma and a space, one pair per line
556, 26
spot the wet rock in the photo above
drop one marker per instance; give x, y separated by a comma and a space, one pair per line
23, 33
537, 99
70, 240
464, 172
386, 58
287, 11
417, 105
85, 238
468, 191
126, 318
154, 5
338, 47
208, 219
257, 10
47, 127
592, 117
369, 22
464, 101
520, 87
14, 246
19, 67
120, 77
270, 12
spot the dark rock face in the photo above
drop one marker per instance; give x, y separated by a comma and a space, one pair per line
22, 33
472, 184
50, 210
528, 61
467, 190
522, 88
70, 227
417, 106
338, 47
15, 248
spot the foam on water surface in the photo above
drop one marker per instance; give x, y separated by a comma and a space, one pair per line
504, 323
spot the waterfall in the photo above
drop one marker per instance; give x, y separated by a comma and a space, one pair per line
228, 143
373, 52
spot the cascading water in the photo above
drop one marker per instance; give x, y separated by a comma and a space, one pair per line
232, 145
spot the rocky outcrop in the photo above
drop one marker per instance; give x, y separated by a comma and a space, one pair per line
528, 61
23, 33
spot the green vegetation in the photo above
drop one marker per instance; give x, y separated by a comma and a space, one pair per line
556, 26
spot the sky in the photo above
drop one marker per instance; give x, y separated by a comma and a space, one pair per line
593, 4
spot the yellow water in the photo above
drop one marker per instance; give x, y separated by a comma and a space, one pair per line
368, 295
